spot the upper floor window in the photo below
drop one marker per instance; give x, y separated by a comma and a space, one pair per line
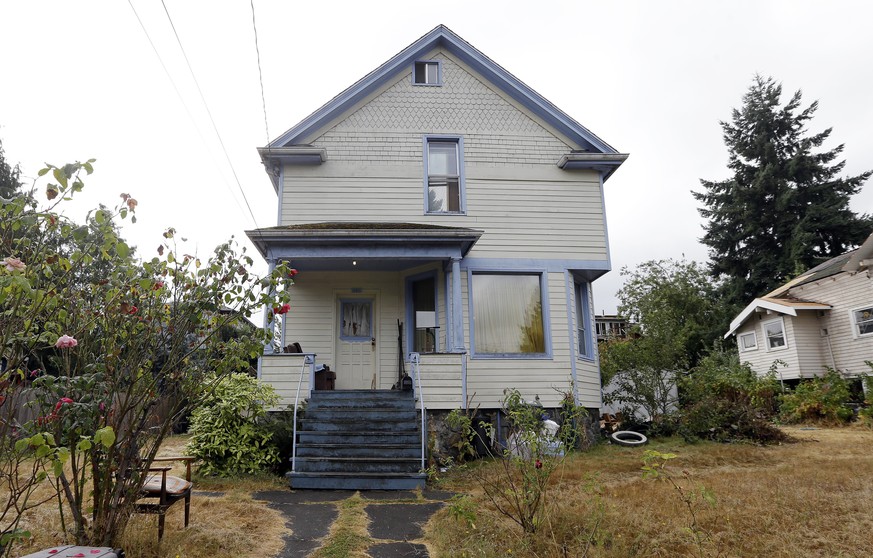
747, 341
444, 174
862, 321
774, 332
427, 73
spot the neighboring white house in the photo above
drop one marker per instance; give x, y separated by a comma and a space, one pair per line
822, 319
441, 192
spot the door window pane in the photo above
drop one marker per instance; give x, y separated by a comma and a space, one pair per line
356, 318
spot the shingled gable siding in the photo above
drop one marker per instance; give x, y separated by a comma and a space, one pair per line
527, 206
844, 292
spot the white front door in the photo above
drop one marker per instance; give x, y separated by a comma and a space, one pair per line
356, 341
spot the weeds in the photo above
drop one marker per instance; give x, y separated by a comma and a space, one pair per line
692, 496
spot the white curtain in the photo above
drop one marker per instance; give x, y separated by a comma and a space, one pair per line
356, 319
507, 310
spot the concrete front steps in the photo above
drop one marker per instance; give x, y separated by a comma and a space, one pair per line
359, 440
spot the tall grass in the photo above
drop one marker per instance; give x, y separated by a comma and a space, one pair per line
808, 499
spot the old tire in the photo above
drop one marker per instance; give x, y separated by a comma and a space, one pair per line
628, 438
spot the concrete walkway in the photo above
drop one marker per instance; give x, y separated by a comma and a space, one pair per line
396, 519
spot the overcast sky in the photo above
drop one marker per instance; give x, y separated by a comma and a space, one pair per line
653, 79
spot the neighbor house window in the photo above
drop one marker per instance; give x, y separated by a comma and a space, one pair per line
444, 174
862, 320
774, 331
508, 315
583, 321
747, 341
427, 73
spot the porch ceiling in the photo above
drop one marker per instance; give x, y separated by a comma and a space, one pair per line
362, 246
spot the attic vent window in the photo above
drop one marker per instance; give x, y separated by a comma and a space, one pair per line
427, 73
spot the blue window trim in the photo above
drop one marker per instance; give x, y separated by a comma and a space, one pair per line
461, 174
409, 309
439, 81
544, 300
358, 338
580, 289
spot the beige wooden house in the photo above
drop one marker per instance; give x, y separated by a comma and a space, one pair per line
443, 194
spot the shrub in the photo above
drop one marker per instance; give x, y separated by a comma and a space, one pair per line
866, 413
724, 400
818, 400
280, 426
228, 435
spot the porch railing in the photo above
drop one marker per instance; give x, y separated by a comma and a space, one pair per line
308, 360
414, 359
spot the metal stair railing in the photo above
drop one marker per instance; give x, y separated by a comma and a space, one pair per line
419, 394
308, 359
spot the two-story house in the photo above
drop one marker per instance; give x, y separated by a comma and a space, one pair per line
440, 208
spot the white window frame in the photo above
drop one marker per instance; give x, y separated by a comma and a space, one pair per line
856, 331
439, 73
743, 348
767, 337
459, 156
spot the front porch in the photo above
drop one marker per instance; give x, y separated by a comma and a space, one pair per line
442, 375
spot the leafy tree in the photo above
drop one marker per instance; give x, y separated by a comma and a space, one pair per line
131, 345
10, 181
677, 318
786, 207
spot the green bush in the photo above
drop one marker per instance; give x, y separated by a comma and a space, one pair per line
818, 400
725, 400
280, 425
227, 430
866, 413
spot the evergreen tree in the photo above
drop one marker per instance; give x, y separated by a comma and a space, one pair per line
9, 176
785, 209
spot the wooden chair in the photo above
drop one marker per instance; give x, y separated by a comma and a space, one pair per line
161, 490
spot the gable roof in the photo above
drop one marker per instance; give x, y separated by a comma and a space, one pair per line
779, 299
443, 37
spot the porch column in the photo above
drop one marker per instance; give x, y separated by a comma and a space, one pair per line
457, 308
269, 323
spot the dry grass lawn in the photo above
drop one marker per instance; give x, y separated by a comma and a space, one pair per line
813, 498
229, 525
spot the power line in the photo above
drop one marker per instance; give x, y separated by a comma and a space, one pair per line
260, 74
208, 112
184, 104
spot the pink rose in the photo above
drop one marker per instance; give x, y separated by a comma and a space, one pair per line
292, 272
66, 342
131, 204
158, 286
14, 264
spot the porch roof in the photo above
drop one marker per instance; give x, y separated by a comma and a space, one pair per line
359, 246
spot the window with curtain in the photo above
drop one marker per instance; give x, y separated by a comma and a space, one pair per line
508, 314
356, 319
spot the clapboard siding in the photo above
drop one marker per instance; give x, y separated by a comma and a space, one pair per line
806, 334
283, 373
441, 380
762, 358
546, 219
844, 292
